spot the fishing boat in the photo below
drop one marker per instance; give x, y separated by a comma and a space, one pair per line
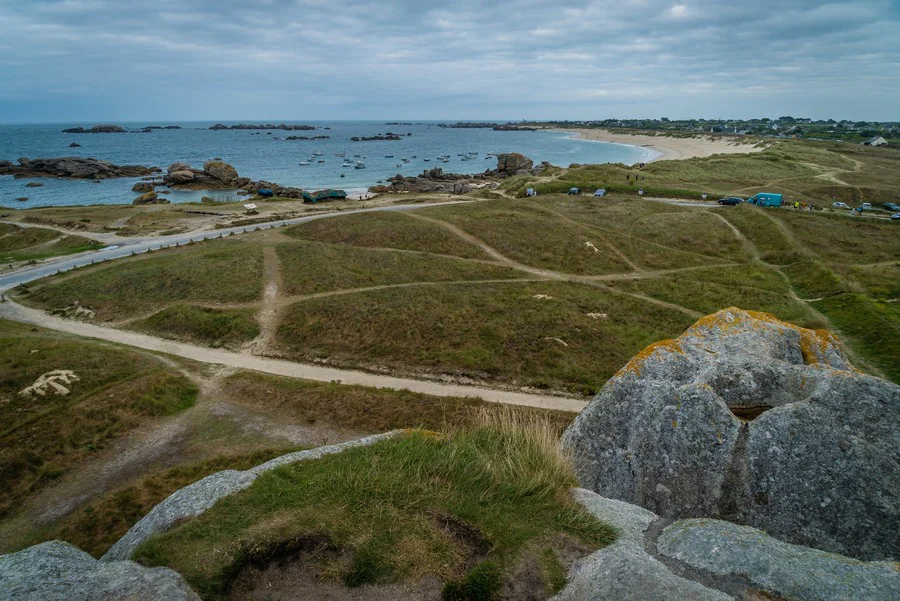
304, 163
347, 164
426, 160
321, 161
359, 165
340, 154
318, 153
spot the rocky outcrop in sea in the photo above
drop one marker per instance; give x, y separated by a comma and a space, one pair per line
73, 167
218, 175
752, 420
219, 126
97, 129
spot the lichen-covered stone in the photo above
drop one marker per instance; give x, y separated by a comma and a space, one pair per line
756, 421
57, 571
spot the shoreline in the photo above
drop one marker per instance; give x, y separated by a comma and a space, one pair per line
668, 148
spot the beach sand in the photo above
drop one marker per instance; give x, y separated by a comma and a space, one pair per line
671, 148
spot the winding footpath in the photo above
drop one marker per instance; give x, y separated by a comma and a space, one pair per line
15, 312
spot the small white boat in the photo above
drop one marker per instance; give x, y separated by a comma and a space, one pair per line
318, 153
359, 165
340, 154
304, 163
426, 160
347, 164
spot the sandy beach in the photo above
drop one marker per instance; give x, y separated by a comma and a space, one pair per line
670, 148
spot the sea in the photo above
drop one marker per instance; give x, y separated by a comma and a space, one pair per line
267, 155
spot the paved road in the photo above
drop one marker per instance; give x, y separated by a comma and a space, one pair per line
140, 245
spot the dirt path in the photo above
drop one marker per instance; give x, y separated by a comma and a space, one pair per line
269, 314
16, 312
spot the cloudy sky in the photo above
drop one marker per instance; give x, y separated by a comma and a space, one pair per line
138, 60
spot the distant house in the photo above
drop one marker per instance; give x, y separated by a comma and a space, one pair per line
876, 141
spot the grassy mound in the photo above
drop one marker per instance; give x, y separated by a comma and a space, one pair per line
419, 504
32, 243
215, 327
386, 230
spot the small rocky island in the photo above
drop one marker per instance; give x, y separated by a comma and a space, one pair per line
97, 129
73, 167
378, 138
220, 126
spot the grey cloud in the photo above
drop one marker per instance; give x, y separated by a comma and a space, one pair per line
142, 59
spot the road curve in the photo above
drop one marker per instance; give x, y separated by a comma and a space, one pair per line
142, 245
14, 311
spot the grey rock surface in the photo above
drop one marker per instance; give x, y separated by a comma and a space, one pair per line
787, 570
72, 167
755, 421
624, 571
196, 498
57, 571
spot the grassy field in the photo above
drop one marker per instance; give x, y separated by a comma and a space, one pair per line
313, 267
43, 437
469, 507
502, 332
32, 243
221, 271
215, 327
387, 230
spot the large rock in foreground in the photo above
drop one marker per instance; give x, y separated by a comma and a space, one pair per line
712, 560
754, 421
57, 571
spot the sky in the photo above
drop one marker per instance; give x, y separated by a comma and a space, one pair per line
178, 60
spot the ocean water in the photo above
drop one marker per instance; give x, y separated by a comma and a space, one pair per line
265, 154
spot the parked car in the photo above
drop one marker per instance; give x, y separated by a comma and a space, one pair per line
731, 201
889, 206
574, 191
840, 205
895, 217
866, 206
600, 192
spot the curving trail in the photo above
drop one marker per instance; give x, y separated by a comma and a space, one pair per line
16, 312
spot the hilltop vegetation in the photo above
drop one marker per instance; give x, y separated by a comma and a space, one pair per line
555, 292
33, 243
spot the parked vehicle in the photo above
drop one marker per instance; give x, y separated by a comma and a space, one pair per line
731, 201
600, 192
866, 206
895, 217
840, 205
890, 206
266, 193
766, 199
574, 191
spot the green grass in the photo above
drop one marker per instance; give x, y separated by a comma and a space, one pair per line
523, 233
215, 327
489, 332
222, 271
388, 507
880, 281
871, 327
838, 238
32, 243
312, 267
386, 230
752, 287
43, 437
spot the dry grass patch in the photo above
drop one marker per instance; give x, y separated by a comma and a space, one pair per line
214, 327
386, 230
221, 271
574, 340
312, 267
44, 436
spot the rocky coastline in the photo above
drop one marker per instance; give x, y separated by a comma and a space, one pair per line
97, 129
482, 125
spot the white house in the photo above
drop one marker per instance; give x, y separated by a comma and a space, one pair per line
876, 141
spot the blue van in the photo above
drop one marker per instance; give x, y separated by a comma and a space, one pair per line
766, 199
